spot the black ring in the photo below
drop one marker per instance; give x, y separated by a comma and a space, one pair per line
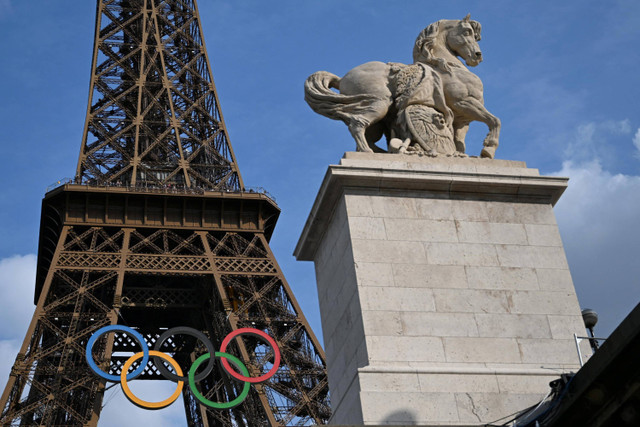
184, 330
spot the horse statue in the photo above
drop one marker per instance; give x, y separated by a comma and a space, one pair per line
428, 104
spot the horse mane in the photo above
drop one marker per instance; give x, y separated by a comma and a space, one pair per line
422, 49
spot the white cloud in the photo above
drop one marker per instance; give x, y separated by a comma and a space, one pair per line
621, 127
636, 142
8, 352
598, 219
118, 411
596, 140
17, 284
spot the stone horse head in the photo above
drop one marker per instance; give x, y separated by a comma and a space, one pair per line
459, 37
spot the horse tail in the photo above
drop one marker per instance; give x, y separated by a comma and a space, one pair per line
336, 106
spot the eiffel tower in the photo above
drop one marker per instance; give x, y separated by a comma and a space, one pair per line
157, 230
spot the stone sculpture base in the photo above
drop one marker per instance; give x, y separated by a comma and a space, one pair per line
444, 290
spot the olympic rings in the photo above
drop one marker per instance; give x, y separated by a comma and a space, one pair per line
115, 378
183, 330
178, 377
259, 334
235, 402
139, 402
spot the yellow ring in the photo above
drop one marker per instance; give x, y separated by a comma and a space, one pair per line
140, 402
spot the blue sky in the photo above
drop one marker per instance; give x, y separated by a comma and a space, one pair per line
562, 77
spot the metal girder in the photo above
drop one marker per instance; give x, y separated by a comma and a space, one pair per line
157, 232
231, 280
153, 118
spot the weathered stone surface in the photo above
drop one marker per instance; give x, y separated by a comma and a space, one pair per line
503, 278
432, 324
408, 408
471, 301
513, 325
481, 350
554, 279
375, 274
467, 254
421, 230
403, 348
396, 299
428, 291
486, 407
431, 276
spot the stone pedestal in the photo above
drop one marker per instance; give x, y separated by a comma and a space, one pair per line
444, 290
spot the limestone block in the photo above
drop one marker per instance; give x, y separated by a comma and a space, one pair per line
397, 299
534, 213
367, 228
434, 208
340, 320
390, 206
430, 276
349, 409
456, 383
516, 256
543, 235
396, 381
382, 323
388, 251
531, 256
359, 205
469, 210
549, 351
408, 408
486, 407
342, 371
421, 230
486, 350
438, 324
333, 245
550, 257
513, 325
520, 384
337, 296
503, 213
563, 327
506, 278
541, 302
345, 278
471, 301
374, 274
554, 279
461, 254
392, 348
490, 232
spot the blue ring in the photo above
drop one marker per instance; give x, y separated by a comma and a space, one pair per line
133, 333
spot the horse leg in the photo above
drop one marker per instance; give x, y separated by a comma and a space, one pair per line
373, 134
460, 130
357, 131
362, 123
473, 110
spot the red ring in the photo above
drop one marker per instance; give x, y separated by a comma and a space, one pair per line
252, 331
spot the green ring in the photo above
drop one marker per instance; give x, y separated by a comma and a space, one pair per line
235, 402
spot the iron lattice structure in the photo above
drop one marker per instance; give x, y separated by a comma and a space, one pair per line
154, 116
154, 233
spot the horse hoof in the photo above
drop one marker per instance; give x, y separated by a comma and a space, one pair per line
364, 150
488, 152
